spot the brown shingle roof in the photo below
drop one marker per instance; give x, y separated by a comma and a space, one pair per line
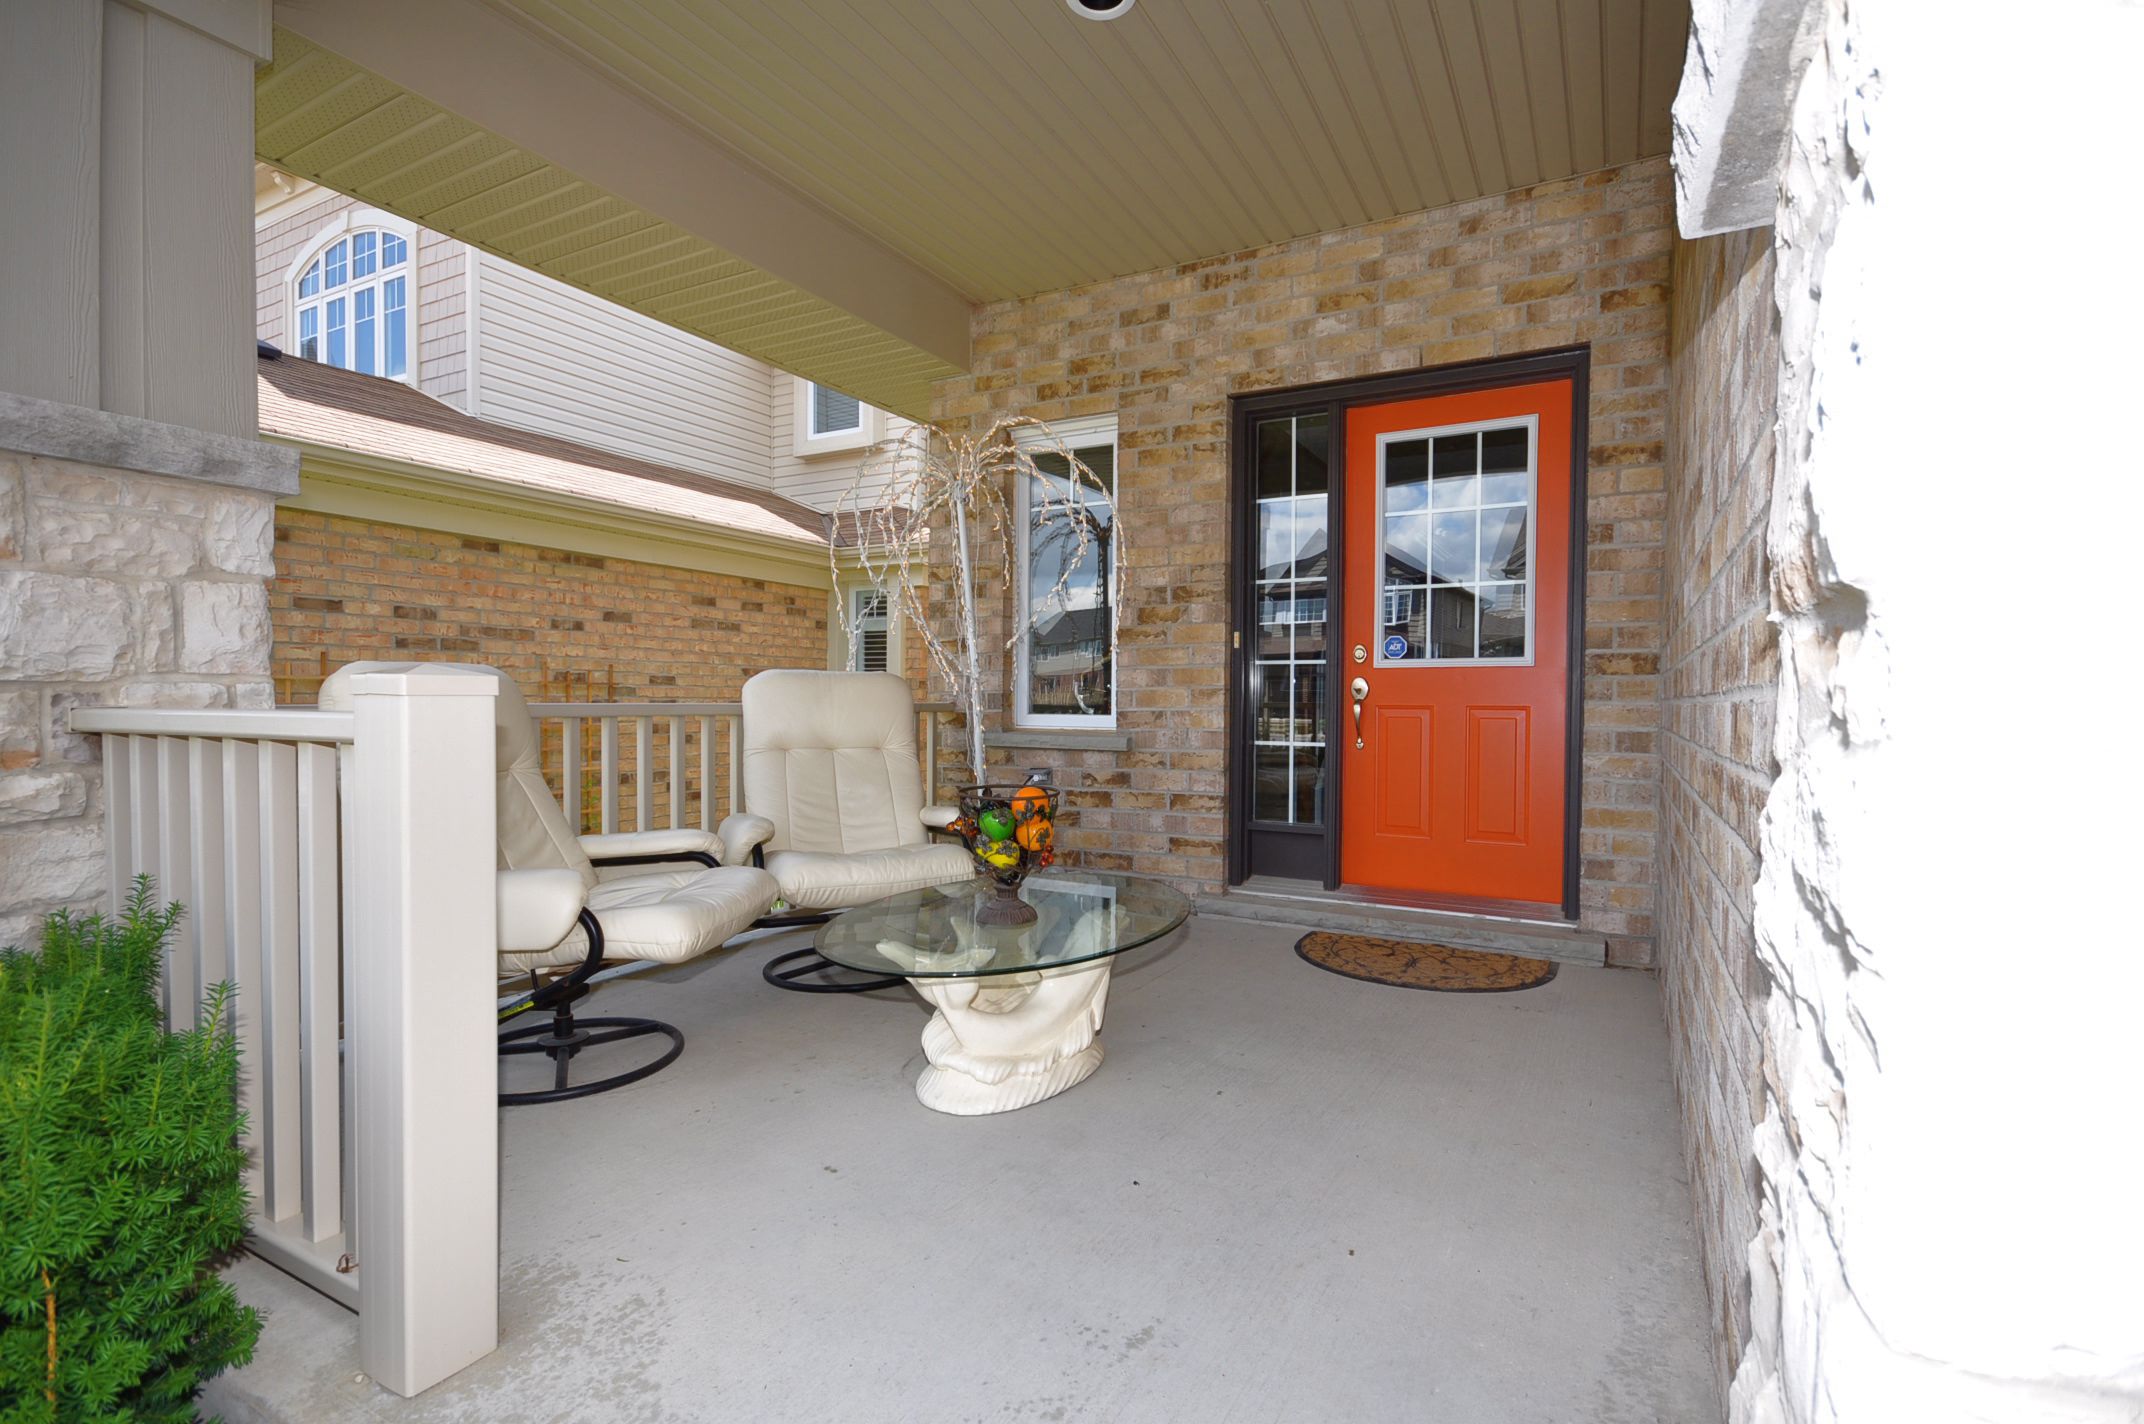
370, 415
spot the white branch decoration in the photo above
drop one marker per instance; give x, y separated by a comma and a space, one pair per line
906, 485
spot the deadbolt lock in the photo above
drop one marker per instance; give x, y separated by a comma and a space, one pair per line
1362, 654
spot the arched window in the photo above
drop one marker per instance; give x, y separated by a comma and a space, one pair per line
351, 303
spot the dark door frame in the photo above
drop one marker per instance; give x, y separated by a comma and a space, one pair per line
1334, 399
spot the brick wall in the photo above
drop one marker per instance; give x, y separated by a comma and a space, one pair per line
1581, 260
1718, 697
349, 589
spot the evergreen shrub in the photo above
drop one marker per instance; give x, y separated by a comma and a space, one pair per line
120, 1180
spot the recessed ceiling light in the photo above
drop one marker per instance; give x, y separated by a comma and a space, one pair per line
1100, 9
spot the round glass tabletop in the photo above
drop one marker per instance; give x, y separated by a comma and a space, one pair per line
1080, 915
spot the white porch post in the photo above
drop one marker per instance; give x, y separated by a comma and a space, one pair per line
423, 1075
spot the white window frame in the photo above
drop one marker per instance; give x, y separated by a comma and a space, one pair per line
854, 624
809, 443
334, 230
1532, 582
1074, 435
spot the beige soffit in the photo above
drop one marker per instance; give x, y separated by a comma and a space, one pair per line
320, 116
998, 148
1014, 148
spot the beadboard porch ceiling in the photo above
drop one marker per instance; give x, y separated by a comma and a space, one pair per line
826, 184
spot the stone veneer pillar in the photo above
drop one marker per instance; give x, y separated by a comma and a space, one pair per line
120, 588
136, 501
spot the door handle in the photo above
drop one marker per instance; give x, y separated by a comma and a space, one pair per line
1360, 688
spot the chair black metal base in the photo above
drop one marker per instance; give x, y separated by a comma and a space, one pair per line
809, 975
565, 1036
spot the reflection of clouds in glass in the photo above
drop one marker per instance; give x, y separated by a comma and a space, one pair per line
1451, 552
1406, 548
1291, 536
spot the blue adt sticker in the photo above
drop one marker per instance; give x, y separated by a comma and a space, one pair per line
1395, 646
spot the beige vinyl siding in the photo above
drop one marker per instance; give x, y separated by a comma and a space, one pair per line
442, 318
819, 481
554, 359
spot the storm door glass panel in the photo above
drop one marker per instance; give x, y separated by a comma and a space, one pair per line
1288, 733
1457, 513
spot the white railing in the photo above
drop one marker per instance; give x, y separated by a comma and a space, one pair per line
667, 741
337, 868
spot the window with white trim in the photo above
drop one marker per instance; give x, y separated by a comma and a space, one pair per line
351, 304
1065, 662
832, 413
870, 631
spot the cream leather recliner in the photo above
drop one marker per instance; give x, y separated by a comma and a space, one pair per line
833, 797
570, 902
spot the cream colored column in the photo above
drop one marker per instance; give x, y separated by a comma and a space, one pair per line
422, 1072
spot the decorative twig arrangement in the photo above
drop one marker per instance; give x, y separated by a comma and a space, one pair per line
908, 484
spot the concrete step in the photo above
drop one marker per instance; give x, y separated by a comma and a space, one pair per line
1313, 908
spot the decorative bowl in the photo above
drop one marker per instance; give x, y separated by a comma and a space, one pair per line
1010, 830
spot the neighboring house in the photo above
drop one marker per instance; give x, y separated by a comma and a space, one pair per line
340, 284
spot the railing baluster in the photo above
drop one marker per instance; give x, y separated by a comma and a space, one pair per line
733, 728
677, 772
643, 772
205, 904
609, 773
570, 772
242, 897
707, 773
346, 799
280, 1061
144, 854
930, 758
120, 814
319, 991
174, 881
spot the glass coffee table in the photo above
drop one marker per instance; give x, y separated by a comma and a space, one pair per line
1019, 1006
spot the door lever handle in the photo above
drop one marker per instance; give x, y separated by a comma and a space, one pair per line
1360, 688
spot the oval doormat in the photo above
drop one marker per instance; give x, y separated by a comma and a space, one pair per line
1440, 967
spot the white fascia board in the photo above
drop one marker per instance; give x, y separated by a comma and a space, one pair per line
341, 482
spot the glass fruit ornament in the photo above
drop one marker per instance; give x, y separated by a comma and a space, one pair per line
1010, 830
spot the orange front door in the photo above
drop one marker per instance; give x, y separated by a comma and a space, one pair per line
1458, 558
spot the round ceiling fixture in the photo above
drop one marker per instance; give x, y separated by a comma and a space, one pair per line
1100, 9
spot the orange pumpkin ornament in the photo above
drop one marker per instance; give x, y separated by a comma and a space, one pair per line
1030, 801
1035, 835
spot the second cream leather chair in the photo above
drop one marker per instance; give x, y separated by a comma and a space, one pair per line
833, 792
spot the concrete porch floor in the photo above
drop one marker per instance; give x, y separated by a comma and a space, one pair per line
1285, 1196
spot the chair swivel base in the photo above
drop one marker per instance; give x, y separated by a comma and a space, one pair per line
565, 1036
808, 977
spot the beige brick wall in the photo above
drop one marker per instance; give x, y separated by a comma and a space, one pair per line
348, 589
1718, 698
1582, 260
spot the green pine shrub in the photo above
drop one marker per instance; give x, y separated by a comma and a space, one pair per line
120, 1180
